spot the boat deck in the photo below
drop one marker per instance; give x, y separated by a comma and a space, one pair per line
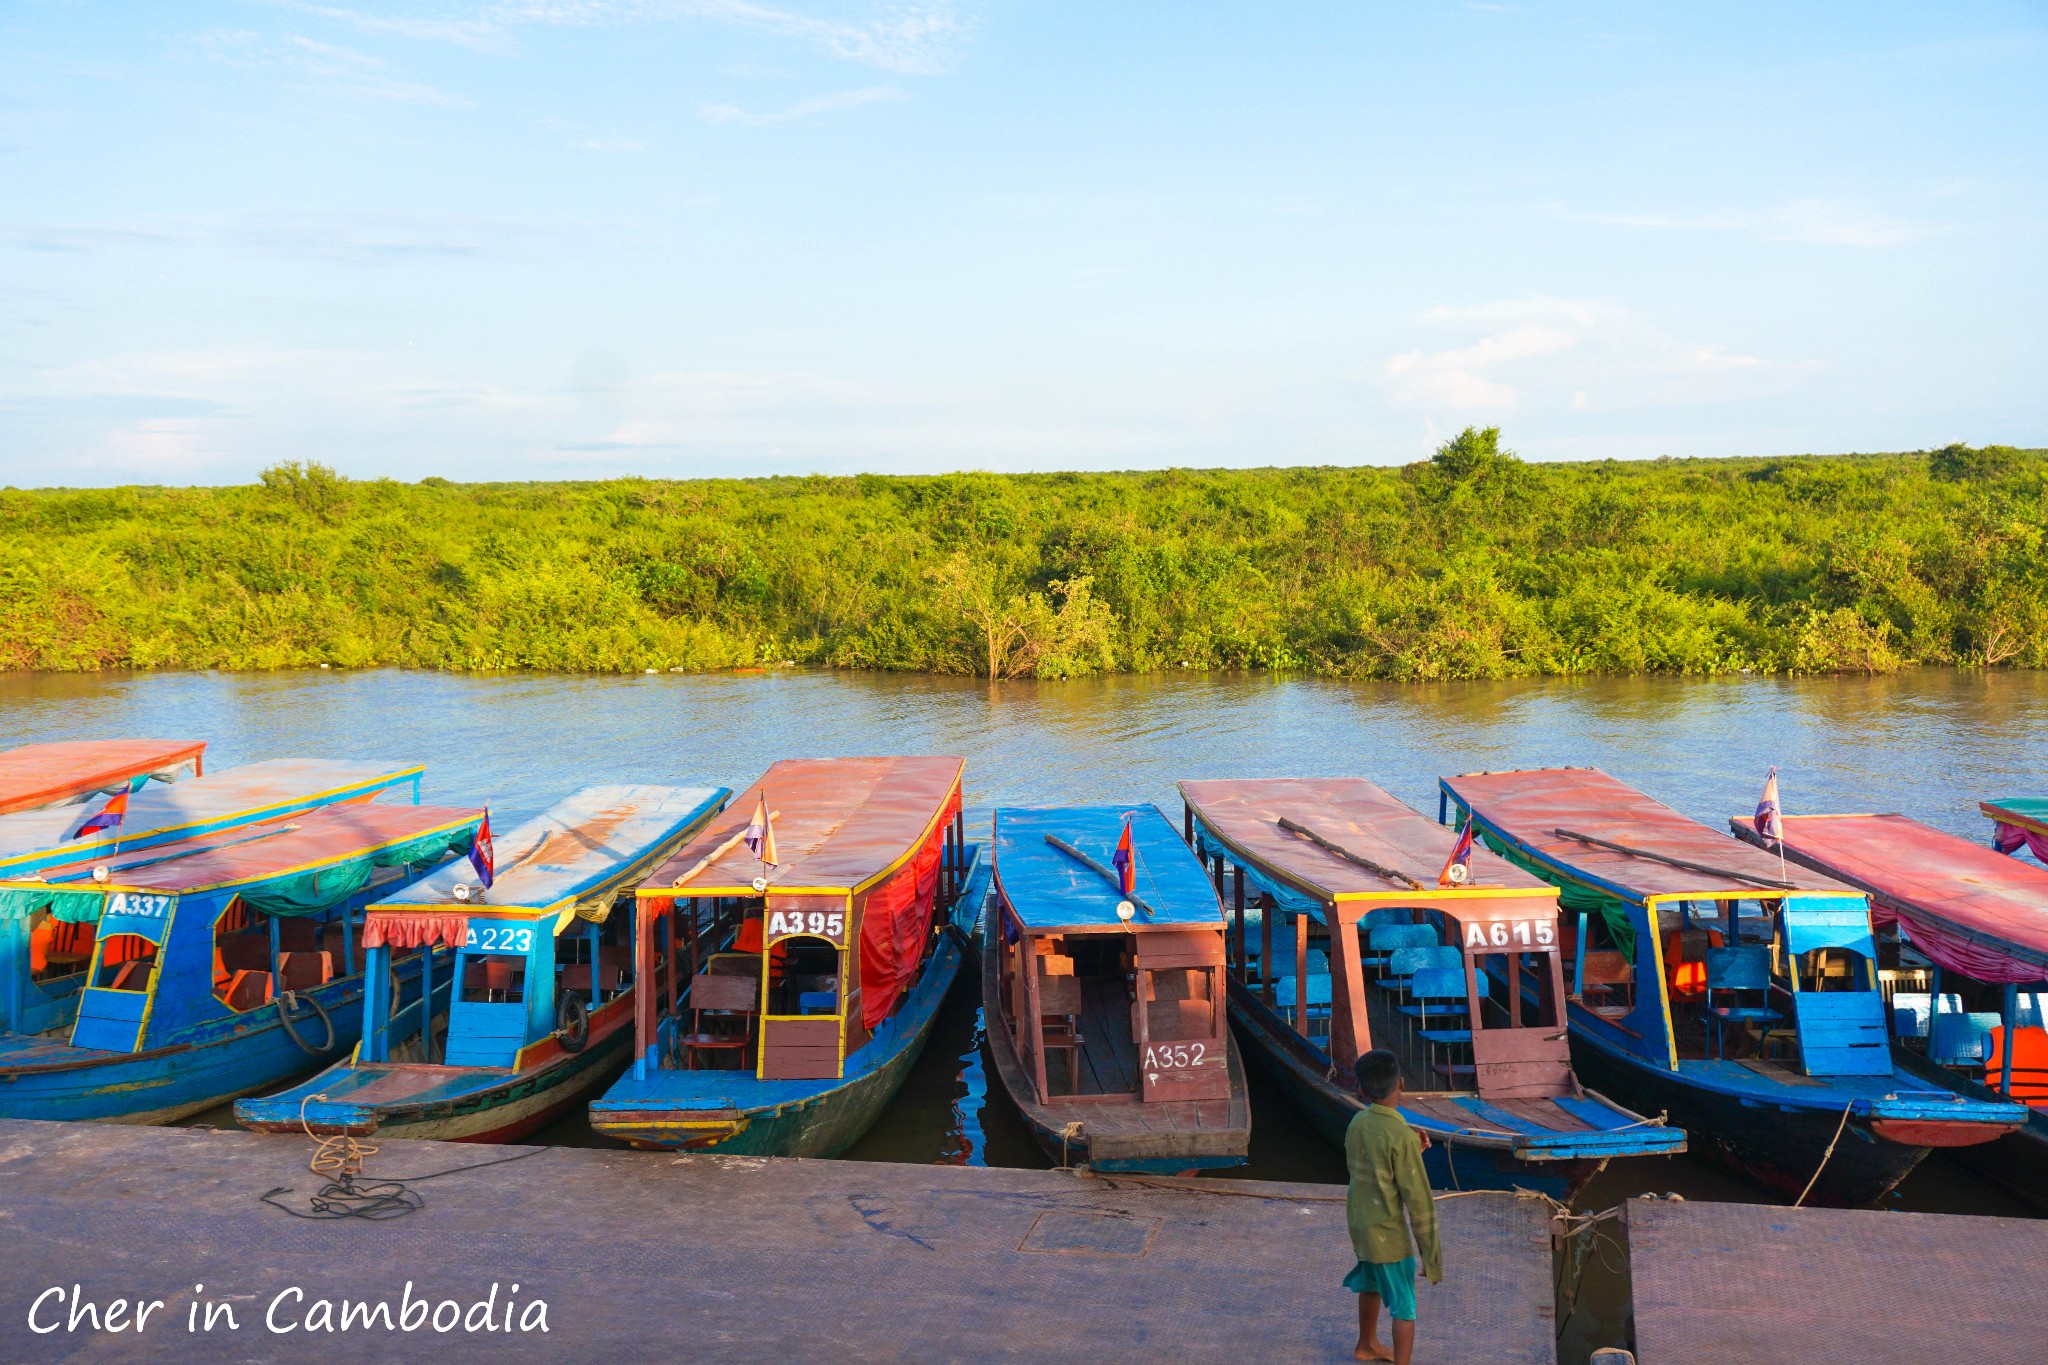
1108, 1056
1747, 1284
646, 1256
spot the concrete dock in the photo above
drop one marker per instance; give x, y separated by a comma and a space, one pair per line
1747, 1284
642, 1256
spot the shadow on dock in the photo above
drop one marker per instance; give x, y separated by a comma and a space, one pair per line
656, 1256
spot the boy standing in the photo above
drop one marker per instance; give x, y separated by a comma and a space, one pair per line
1389, 1195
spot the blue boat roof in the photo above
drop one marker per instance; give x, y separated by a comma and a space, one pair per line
196, 805
1047, 889
578, 845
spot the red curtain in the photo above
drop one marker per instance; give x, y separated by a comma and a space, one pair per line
896, 918
394, 929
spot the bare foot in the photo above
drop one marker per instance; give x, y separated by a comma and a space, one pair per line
1372, 1350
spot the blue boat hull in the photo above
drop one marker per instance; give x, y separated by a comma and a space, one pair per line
1776, 1147
211, 1064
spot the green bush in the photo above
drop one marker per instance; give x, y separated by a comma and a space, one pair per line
1469, 564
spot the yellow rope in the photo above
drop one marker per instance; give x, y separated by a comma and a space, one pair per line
336, 1156
1824, 1156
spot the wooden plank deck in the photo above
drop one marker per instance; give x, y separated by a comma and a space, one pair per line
646, 1256
1751, 1284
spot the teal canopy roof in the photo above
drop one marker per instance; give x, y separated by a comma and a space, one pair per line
577, 846
1047, 889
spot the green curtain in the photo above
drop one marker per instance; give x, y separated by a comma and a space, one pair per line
1574, 897
309, 893
73, 907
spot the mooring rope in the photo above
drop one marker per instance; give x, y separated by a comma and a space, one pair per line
1825, 1156
346, 1194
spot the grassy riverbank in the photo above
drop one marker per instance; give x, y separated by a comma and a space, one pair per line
1470, 564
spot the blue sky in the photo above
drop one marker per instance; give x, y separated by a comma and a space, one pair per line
579, 238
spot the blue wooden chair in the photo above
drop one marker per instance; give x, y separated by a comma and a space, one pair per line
1437, 998
1738, 972
1961, 1040
1910, 1011
1404, 963
1384, 940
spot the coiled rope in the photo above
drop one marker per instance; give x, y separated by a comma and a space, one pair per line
347, 1194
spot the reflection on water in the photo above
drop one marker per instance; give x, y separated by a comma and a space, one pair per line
1929, 743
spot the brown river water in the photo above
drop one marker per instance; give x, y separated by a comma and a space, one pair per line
1929, 743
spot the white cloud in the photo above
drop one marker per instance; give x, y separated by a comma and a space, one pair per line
819, 104
322, 67
477, 34
1827, 222
910, 37
1568, 354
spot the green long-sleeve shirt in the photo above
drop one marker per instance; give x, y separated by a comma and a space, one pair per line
1387, 1178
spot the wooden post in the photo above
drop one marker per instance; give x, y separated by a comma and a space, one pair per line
1301, 975
1033, 1026
1350, 1027
644, 988
670, 954
1266, 908
2012, 1014
1237, 896
426, 1000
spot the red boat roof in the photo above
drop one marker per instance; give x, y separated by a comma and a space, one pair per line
315, 839
1532, 805
41, 774
1353, 814
840, 824
1904, 864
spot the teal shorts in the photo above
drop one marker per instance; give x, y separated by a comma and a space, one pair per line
1394, 1282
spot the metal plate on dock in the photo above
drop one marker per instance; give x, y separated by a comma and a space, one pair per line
1748, 1284
1090, 1234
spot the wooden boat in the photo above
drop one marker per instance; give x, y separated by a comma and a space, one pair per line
778, 1009
1105, 1014
222, 965
1688, 948
545, 1012
39, 775
1966, 929
43, 959
1346, 870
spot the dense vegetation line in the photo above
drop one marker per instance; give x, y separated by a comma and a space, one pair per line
1472, 563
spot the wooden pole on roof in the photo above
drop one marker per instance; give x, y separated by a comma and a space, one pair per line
1099, 870
1393, 874
715, 854
1611, 846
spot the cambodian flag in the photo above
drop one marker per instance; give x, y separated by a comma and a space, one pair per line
761, 834
1126, 861
1461, 856
1767, 824
482, 856
109, 817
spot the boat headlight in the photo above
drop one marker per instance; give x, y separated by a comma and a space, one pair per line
1125, 911
101, 872
461, 891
